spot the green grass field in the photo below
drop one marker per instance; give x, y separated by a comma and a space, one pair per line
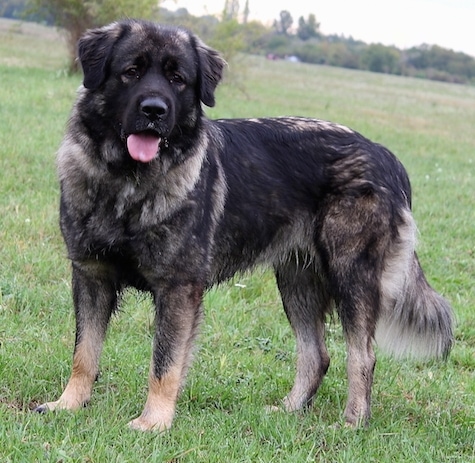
246, 352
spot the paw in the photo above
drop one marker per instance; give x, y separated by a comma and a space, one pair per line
43, 408
356, 422
47, 407
146, 424
61, 404
273, 409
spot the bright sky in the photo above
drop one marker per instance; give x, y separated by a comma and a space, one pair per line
404, 23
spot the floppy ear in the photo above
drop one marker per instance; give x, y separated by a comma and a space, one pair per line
211, 67
94, 51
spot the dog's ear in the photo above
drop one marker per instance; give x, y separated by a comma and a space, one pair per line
211, 67
94, 51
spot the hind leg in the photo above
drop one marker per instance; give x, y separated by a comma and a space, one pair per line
354, 281
354, 241
361, 362
305, 302
356, 293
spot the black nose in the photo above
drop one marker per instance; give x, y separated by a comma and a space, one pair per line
154, 108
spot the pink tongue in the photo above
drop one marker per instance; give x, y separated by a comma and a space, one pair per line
143, 147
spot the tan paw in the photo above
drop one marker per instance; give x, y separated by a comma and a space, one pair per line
147, 424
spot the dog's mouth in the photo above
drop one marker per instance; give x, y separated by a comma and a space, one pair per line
144, 146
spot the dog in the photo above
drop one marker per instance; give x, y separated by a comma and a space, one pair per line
156, 196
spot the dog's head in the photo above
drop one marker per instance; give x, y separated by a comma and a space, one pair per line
151, 80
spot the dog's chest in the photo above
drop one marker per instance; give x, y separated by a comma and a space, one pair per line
128, 198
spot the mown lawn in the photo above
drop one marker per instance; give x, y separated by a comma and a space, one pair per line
246, 352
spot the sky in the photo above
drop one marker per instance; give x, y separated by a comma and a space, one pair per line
403, 23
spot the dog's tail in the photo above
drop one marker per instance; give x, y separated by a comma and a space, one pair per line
415, 320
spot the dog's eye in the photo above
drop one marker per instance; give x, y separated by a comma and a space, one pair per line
177, 79
132, 72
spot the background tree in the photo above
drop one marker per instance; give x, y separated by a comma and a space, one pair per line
231, 10
285, 22
380, 58
75, 16
308, 29
245, 14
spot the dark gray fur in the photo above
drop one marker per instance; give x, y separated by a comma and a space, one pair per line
327, 209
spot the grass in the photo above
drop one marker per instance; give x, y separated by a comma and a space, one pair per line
245, 357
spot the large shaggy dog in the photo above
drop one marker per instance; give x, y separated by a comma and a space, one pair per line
156, 196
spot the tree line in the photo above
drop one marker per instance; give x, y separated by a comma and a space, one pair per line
233, 33
307, 43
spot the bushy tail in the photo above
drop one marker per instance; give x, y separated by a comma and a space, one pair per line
415, 320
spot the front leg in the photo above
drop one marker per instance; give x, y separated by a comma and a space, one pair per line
95, 298
178, 313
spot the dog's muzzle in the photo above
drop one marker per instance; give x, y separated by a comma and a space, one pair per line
143, 144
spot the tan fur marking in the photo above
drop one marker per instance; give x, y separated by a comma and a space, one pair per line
159, 408
78, 390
